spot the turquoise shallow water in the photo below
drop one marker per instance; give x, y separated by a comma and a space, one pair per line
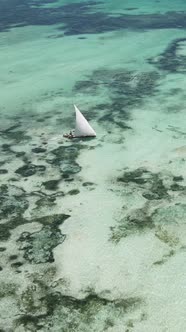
92, 232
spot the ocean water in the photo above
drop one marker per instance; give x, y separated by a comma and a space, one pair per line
93, 231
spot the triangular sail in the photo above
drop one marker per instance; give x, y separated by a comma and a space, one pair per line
82, 126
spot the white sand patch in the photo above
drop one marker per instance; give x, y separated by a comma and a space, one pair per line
166, 294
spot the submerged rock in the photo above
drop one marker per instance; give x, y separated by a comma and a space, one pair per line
2, 249
157, 190
38, 246
150, 184
88, 86
82, 18
7, 289
153, 187
170, 60
175, 213
63, 153
178, 178
16, 264
46, 310
126, 89
176, 187
3, 171
30, 169
65, 159
46, 201
68, 168
12, 201
137, 176
88, 184
17, 136
32, 303
74, 192
135, 222
52, 220
6, 147
51, 184
8, 226
12, 257
39, 150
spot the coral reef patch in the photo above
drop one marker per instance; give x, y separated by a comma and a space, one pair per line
82, 17
171, 60
156, 189
38, 246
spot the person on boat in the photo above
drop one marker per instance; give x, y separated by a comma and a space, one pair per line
70, 135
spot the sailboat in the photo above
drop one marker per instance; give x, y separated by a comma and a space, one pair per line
82, 128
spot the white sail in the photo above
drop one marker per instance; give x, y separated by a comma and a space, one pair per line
82, 126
